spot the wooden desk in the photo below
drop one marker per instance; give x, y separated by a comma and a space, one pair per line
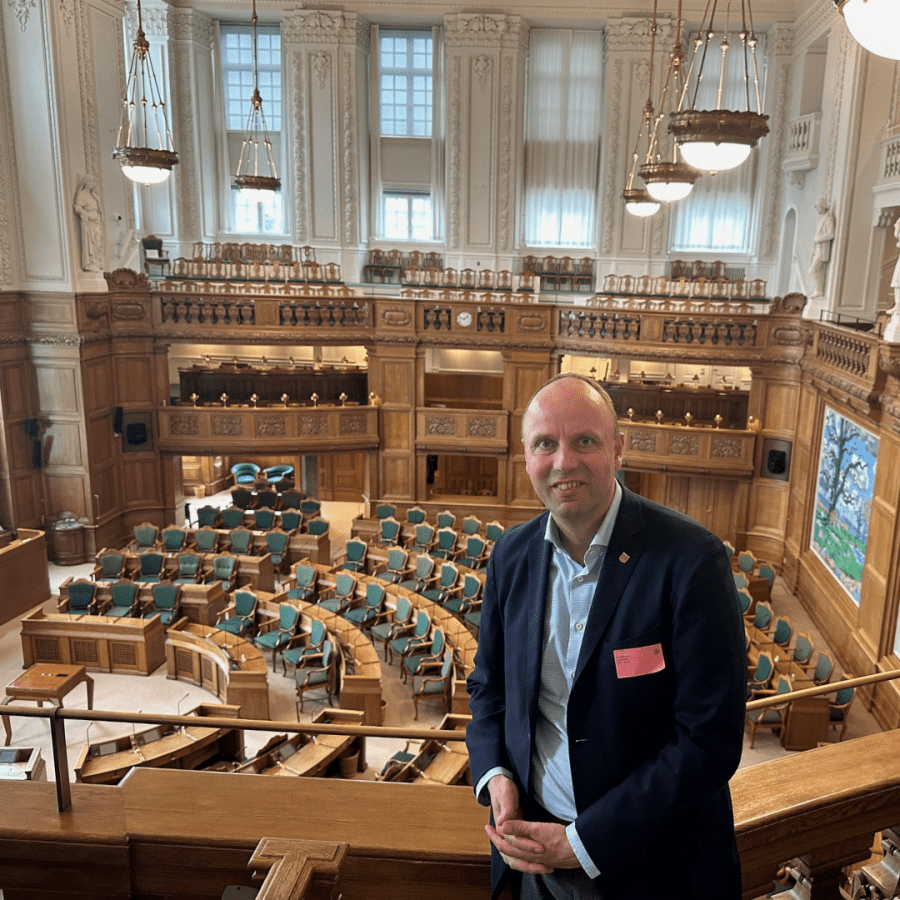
46, 681
162, 746
224, 664
24, 581
99, 643
22, 764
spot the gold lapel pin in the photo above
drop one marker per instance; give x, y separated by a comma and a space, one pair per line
624, 558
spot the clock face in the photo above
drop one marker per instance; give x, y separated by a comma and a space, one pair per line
464, 319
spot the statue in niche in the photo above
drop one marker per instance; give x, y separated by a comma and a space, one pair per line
87, 208
895, 278
821, 249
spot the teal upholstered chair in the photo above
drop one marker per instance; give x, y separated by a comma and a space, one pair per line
773, 716
839, 707
225, 568
124, 600
277, 548
310, 644
474, 556
166, 602
445, 546
468, 598
389, 622
423, 538
423, 658
354, 555
422, 574
367, 614
82, 597
803, 648
411, 637
232, 517
241, 619
151, 567
278, 638
190, 569
173, 539
471, 525
291, 519
415, 515
310, 507
207, 516
448, 577
306, 577
264, 519
446, 519
245, 472
240, 541
397, 566
317, 527
206, 540
279, 472
311, 677
388, 532
146, 537
110, 566
342, 596
385, 510
434, 686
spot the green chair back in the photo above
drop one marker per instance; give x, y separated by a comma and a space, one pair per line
446, 519
173, 539
232, 517
310, 507
112, 565
151, 566
145, 536
317, 526
415, 515
81, 596
263, 519
124, 595
205, 539
241, 541
291, 519
207, 517
385, 510
165, 595
244, 603
189, 565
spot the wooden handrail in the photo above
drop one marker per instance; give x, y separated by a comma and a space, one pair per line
819, 690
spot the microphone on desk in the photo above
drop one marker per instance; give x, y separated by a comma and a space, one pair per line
134, 740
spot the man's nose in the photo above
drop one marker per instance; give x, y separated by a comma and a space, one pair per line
565, 459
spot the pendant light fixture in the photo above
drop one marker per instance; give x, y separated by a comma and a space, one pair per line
874, 23
667, 178
256, 181
718, 139
143, 121
637, 200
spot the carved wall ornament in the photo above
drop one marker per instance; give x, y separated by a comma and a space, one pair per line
889, 360
184, 425
482, 68
314, 424
454, 175
129, 311
396, 317
321, 63
301, 130
789, 303
634, 34
532, 321
644, 441
726, 448
440, 425
314, 26
353, 423
127, 280
685, 445
229, 426
271, 426
349, 154
504, 197
67, 10
611, 152
480, 426
22, 9
95, 309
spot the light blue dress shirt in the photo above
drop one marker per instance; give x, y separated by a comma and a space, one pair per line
570, 591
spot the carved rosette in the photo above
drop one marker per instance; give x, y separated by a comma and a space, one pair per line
353, 423
314, 424
479, 426
685, 445
440, 425
271, 426
643, 441
228, 426
184, 425
726, 448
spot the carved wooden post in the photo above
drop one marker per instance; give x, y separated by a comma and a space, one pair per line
298, 870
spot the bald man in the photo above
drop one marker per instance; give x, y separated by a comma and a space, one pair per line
610, 680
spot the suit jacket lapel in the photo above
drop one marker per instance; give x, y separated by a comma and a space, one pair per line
538, 578
622, 557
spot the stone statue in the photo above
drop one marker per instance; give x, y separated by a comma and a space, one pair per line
87, 208
895, 278
821, 249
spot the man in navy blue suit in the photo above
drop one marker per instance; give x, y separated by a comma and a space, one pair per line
609, 686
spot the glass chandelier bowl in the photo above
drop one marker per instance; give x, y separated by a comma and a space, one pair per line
875, 24
668, 181
144, 142
717, 140
639, 202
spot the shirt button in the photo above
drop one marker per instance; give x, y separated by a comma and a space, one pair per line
578, 626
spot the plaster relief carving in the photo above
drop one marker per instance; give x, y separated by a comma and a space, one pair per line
314, 26
440, 425
613, 155
67, 10
353, 423
184, 425
349, 138
685, 445
481, 427
532, 322
321, 63
271, 426
454, 101
726, 448
506, 131
396, 318
636, 34
22, 9
301, 200
482, 68
227, 426
314, 424
127, 280
644, 441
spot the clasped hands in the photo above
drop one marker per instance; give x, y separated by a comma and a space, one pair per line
533, 847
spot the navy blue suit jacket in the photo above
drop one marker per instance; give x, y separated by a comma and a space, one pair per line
652, 754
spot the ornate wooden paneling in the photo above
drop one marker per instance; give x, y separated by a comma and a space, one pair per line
461, 431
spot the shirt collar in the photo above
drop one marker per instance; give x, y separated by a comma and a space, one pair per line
604, 532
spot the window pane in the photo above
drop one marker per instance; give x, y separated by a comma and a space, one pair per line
406, 82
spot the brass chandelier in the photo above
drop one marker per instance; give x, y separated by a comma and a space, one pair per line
144, 142
256, 181
718, 139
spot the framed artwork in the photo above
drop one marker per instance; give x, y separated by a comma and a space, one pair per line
840, 527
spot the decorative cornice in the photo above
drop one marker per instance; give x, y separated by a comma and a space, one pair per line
815, 20
192, 26
630, 34
322, 27
477, 30
155, 22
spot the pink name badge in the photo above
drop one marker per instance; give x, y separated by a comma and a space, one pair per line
634, 661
